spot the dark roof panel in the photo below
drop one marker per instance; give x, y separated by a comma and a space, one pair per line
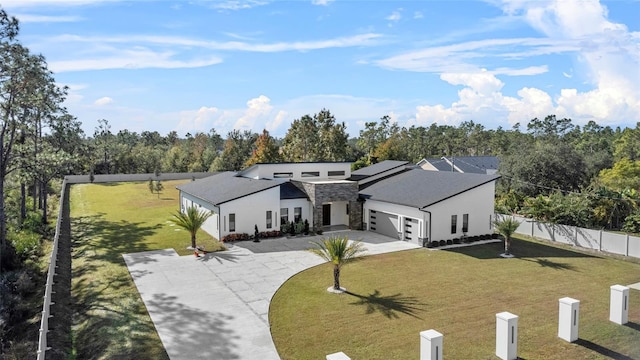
419, 188
290, 191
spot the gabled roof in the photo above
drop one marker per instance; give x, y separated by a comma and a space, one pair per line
420, 188
465, 164
377, 168
226, 186
475, 164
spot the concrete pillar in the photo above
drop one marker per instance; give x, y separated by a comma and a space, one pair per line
568, 319
338, 356
506, 336
619, 305
430, 345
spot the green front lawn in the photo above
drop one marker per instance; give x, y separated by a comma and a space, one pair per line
108, 220
393, 297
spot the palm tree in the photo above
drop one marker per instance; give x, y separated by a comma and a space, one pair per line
191, 220
507, 227
338, 251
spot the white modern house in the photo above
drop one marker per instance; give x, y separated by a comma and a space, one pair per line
393, 198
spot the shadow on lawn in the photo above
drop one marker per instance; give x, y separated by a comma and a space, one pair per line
521, 249
390, 305
552, 264
97, 238
601, 350
632, 325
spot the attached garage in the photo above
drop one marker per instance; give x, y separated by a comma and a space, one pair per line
383, 223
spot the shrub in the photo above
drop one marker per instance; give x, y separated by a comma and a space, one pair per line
235, 237
306, 227
632, 223
299, 227
25, 243
433, 244
269, 234
292, 229
449, 242
443, 242
33, 222
456, 241
284, 227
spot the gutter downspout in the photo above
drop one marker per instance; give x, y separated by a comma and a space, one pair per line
429, 225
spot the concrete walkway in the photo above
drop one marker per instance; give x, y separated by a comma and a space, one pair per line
216, 306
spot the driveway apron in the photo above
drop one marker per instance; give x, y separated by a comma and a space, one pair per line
216, 306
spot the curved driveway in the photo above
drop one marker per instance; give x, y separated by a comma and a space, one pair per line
216, 306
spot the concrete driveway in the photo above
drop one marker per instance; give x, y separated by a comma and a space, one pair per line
216, 306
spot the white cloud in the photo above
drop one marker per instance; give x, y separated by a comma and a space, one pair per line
103, 101
237, 4
277, 122
579, 28
257, 109
418, 15
137, 58
200, 120
13, 4
395, 16
321, 2
30, 18
171, 41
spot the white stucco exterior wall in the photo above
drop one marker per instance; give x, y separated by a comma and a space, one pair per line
266, 171
251, 210
294, 203
477, 202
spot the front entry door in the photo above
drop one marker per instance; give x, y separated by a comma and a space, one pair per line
326, 214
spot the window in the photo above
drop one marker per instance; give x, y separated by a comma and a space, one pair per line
347, 209
269, 220
232, 222
310, 173
454, 223
284, 216
336, 173
465, 223
297, 214
280, 175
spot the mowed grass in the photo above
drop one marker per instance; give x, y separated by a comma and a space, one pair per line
108, 220
393, 297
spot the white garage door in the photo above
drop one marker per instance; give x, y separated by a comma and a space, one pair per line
383, 223
411, 230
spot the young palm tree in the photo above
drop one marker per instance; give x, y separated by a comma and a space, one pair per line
191, 220
507, 227
339, 252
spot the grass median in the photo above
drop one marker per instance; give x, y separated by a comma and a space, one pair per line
391, 298
108, 220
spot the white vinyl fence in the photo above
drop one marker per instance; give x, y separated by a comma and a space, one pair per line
79, 179
615, 243
46, 306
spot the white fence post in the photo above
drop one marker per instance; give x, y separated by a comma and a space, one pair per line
568, 319
619, 304
338, 356
506, 336
430, 345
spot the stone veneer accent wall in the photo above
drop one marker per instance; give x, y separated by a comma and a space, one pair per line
320, 193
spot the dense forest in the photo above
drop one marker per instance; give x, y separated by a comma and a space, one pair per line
552, 169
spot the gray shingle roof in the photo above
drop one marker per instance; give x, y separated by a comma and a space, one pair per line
419, 188
226, 186
476, 164
378, 168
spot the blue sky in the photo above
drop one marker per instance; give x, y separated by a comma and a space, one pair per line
192, 66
